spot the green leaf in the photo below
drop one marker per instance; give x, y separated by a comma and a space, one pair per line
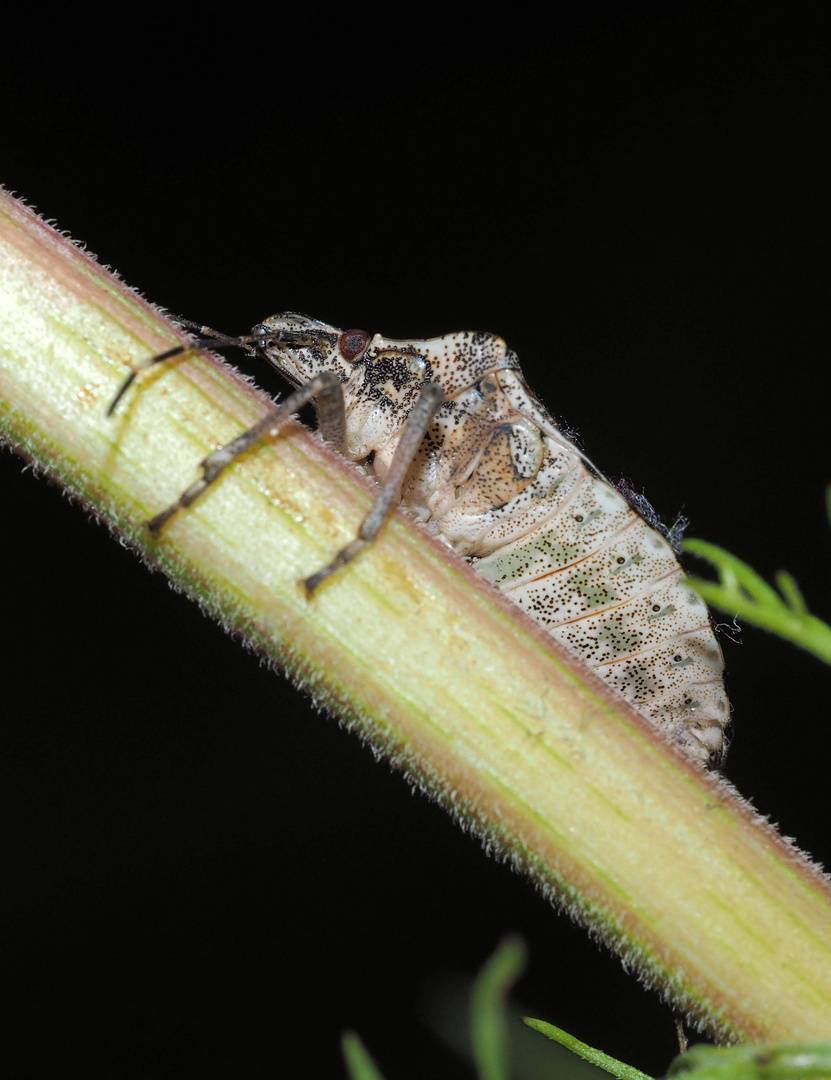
588, 1053
359, 1064
488, 1021
774, 1061
742, 593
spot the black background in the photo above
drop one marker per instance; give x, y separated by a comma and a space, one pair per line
202, 875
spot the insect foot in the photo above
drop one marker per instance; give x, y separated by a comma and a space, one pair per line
451, 432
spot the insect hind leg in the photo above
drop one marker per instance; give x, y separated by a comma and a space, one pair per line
324, 388
427, 404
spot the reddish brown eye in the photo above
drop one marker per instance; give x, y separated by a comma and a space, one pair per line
353, 342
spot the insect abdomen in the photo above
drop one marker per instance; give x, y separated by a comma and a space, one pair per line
598, 578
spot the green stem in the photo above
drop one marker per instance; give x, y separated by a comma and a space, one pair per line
521, 742
743, 593
618, 1069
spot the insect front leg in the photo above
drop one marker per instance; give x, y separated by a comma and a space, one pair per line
209, 339
427, 404
325, 389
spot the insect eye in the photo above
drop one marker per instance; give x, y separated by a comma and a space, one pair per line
353, 342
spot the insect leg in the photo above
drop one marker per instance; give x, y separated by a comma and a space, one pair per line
199, 328
429, 401
177, 350
331, 412
325, 387
209, 339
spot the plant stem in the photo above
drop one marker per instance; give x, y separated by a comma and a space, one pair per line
520, 741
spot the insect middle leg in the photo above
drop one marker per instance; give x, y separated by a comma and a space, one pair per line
427, 404
325, 389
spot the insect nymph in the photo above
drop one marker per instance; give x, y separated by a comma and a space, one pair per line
450, 430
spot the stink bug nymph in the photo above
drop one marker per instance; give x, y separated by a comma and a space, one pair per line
452, 433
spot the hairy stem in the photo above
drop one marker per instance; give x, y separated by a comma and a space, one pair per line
516, 738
